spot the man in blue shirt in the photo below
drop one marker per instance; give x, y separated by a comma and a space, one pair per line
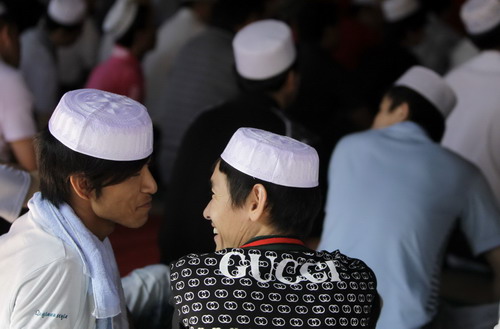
395, 195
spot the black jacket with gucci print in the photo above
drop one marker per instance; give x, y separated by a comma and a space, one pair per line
256, 288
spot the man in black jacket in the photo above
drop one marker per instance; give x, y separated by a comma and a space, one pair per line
265, 64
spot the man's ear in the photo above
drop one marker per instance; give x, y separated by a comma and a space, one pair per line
402, 112
80, 186
256, 202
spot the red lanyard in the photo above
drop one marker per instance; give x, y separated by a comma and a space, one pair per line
274, 241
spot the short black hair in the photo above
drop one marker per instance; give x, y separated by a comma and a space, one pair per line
271, 84
487, 40
292, 210
141, 21
422, 112
56, 163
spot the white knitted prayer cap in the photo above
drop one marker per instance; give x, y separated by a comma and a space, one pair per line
120, 17
103, 125
272, 158
396, 10
263, 49
67, 12
431, 86
480, 16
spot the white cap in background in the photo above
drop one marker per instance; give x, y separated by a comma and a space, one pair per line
480, 16
120, 17
67, 12
396, 10
431, 86
103, 125
263, 49
272, 158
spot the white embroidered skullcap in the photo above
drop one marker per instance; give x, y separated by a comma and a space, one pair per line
396, 10
67, 12
103, 125
480, 16
120, 17
272, 158
263, 49
431, 86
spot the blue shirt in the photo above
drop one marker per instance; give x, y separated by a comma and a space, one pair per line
393, 199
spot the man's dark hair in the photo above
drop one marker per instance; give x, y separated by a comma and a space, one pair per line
269, 85
228, 14
141, 21
56, 163
487, 40
422, 112
292, 210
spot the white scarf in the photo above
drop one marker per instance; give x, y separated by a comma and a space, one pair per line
97, 256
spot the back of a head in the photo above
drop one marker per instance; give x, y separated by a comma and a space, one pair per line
481, 19
231, 15
429, 97
288, 169
264, 53
101, 135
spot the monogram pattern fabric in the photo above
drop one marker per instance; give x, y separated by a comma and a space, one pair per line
250, 288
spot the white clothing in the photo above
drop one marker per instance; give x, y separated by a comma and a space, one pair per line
42, 281
16, 106
14, 185
55, 277
170, 37
39, 68
472, 128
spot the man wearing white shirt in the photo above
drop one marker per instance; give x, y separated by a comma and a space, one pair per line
57, 265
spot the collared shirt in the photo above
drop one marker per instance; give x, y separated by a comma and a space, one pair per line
394, 197
120, 74
472, 127
273, 287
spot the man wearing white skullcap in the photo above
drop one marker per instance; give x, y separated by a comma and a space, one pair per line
58, 268
265, 57
400, 194
60, 26
264, 197
130, 23
472, 127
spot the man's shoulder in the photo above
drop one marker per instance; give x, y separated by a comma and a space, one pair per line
28, 248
